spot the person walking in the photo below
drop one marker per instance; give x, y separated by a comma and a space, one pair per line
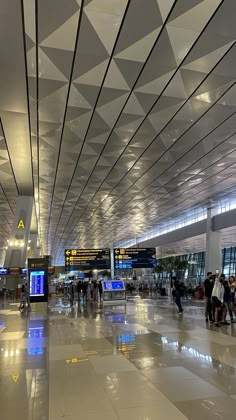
100, 290
95, 290
27, 296
232, 286
79, 288
217, 299
85, 290
177, 293
208, 287
71, 292
23, 298
227, 303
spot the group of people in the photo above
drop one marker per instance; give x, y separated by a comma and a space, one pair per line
220, 298
86, 290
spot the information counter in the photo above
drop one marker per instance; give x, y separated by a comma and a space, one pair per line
113, 290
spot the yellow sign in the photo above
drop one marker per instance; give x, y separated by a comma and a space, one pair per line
75, 360
21, 224
15, 377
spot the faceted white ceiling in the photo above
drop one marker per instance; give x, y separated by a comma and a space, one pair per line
114, 114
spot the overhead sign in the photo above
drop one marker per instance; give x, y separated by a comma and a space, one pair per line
21, 224
37, 263
87, 259
134, 258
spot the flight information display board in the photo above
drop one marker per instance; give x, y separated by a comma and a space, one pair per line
37, 283
87, 259
134, 258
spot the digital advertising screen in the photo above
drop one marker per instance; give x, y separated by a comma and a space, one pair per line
37, 283
113, 285
134, 258
87, 259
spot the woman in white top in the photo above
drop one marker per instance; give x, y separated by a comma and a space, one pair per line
217, 299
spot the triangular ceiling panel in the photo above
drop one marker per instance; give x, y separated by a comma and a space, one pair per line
176, 87
139, 24
114, 78
109, 95
76, 98
64, 36
195, 18
90, 70
146, 100
165, 7
129, 69
133, 106
74, 112
47, 69
90, 93
106, 26
156, 86
206, 62
89, 41
62, 59
181, 41
47, 87
183, 7
139, 50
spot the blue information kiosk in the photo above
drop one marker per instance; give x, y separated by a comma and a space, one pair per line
38, 279
113, 290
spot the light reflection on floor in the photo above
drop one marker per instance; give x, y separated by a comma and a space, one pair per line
140, 360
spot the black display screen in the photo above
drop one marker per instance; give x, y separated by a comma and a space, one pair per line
87, 259
134, 258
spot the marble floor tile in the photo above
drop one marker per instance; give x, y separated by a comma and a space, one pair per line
162, 411
111, 364
68, 351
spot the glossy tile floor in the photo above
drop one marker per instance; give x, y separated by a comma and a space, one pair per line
139, 361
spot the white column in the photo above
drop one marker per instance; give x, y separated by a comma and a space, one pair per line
18, 242
213, 246
34, 250
112, 262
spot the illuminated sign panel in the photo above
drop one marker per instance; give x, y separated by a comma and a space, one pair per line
134, 258
87, 259
21, 224
37, 283
114, 285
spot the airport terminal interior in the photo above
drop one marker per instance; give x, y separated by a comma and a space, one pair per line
117, 209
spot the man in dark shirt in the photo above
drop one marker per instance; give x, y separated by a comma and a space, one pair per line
177, 294
227, 303
208, 286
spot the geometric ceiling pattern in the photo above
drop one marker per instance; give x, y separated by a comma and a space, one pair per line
125, 117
